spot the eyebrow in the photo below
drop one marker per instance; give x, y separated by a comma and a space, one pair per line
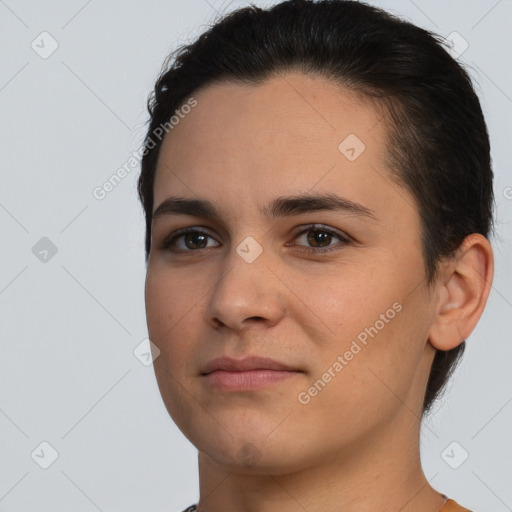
280, 207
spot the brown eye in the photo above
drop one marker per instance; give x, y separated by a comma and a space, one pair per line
195, 240
187, 241
320, 237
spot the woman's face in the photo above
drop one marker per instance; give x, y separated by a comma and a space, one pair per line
351, 323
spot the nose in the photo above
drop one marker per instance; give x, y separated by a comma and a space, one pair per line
246, 294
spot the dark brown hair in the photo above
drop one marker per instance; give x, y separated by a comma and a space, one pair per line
438, 144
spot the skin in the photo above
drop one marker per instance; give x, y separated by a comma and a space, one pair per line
355, 445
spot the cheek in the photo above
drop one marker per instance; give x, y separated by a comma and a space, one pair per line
374, 326
168, 304
361, 385
347, 300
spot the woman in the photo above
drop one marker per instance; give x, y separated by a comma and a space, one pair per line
318, 213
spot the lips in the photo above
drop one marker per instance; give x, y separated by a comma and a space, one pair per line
249, 374
242, 365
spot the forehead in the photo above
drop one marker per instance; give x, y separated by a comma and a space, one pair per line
291, 134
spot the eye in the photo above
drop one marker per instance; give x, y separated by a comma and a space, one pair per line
192, 240
320, 237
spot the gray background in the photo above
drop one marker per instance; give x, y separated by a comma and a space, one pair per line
70, 321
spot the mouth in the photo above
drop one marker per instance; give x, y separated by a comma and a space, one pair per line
246, 374
248, 380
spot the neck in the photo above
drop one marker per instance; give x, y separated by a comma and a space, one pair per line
380, 472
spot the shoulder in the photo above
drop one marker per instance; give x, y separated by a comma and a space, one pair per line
453, 506
449, 506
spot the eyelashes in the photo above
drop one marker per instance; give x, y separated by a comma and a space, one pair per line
195, 236
170, 242
318, 228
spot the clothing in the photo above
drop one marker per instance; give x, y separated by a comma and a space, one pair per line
452, 506
449, 506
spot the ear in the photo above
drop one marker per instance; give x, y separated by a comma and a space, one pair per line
464, 287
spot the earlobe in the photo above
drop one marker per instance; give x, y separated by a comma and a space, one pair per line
464, 287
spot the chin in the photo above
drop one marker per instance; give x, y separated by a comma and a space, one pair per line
251, 451
251, 459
